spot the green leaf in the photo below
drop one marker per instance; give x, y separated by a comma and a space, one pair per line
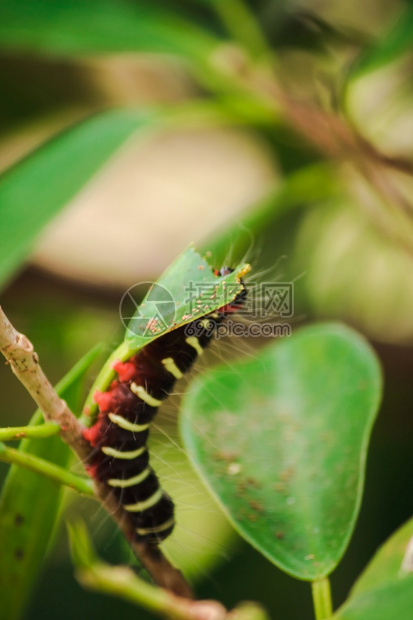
81, 548
202, 532
281, 441
64, 28
186, 291
389, 47
33, 191
29, 505
385, 589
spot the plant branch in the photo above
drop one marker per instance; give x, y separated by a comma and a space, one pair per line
41, 466
24, 363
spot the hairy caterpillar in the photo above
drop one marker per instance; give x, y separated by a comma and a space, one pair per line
120, 458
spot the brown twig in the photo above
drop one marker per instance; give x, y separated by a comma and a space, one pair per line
24, 362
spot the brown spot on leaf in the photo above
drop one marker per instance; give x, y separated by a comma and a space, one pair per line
226, 455
19, 553
256, 505
240, 489
252, 517
18, 519
251, 482
287, 474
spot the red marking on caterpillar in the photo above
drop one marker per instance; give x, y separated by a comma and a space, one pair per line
92, 470
125, 370
92, 435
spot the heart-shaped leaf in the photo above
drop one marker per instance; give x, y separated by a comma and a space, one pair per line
385, 589
281, 441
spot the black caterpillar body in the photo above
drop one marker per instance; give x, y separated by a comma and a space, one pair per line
120, 458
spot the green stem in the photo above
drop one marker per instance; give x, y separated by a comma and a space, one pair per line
41, 466
120, 582
249, 611
322, 598
36, 432
103, 380
242, 25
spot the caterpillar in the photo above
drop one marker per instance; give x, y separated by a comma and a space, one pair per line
120, 457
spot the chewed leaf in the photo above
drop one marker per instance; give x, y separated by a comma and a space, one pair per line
281, 441
186, 291
385, 589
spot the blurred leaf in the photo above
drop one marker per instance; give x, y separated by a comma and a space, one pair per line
33, 191
281, 441
388, 47
337, 287
81, 548
379, 105
64, 28
242, 24
309, 185
385, 589
202, 535
29, 504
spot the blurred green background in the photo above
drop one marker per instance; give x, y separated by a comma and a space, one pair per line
284, 135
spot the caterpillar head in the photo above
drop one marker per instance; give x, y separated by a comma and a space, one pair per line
241, 296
